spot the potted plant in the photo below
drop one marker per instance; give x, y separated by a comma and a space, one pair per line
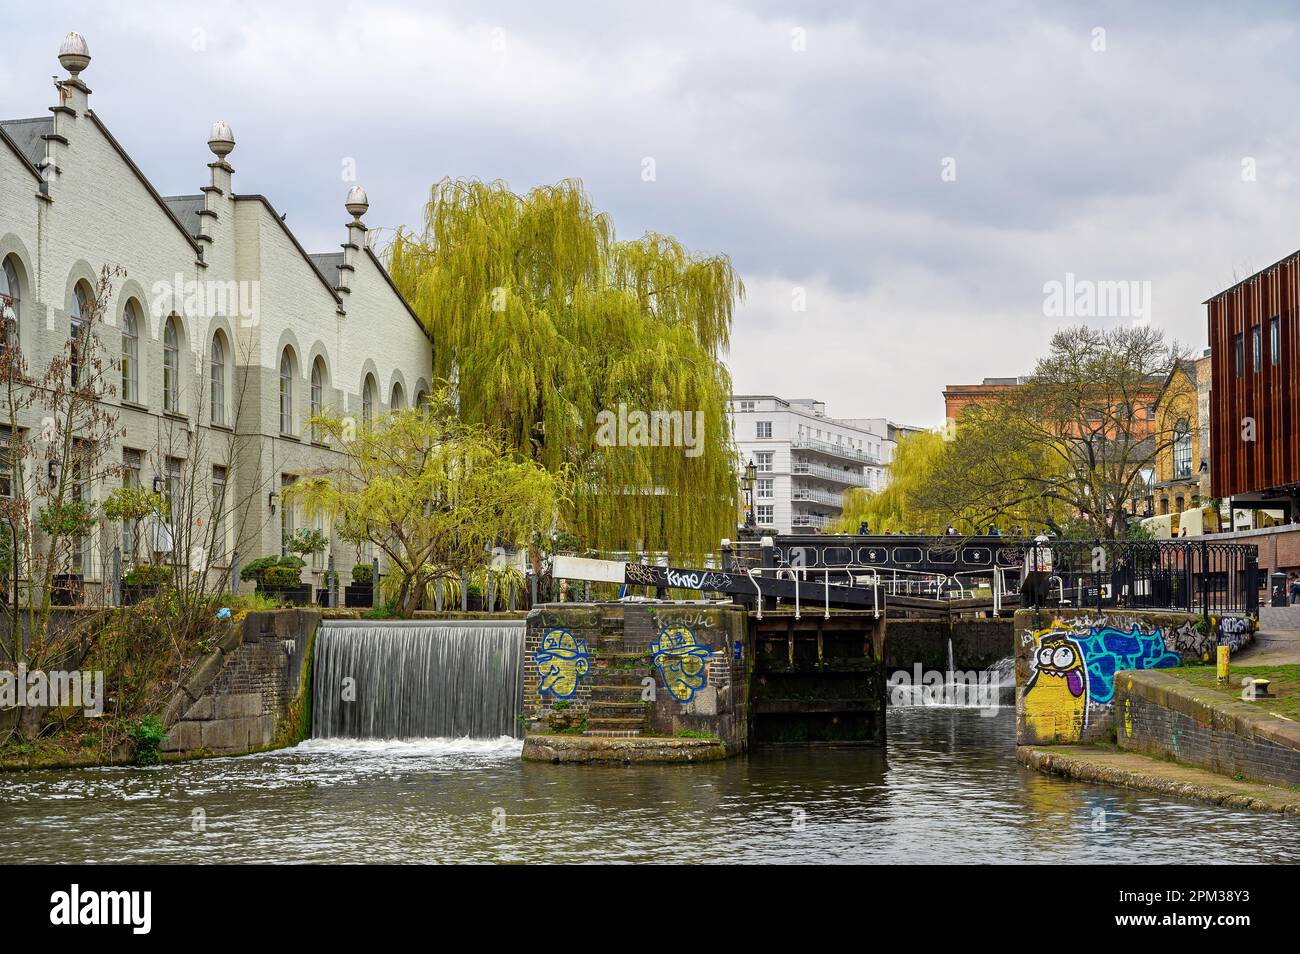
68, 521
280, 578
144, 581
504, 579
361, 591
132, 507
474, 597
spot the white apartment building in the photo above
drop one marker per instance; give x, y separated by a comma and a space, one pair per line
328, 331
805, 461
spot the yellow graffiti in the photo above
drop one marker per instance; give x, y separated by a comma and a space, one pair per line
1056, 697
562, 661
681, 660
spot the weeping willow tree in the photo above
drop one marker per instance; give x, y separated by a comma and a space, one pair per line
548, 327
898, 507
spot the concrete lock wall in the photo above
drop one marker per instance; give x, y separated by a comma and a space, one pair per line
1066, 660
1168, 718
656, 670
976, 643
252, 692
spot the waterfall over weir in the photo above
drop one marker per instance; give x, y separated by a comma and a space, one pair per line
417, 679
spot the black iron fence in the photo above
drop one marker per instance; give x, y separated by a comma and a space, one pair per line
1191, 575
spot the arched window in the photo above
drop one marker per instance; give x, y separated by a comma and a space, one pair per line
83, 307
171, 367
286, 392
396, 400
368, 400
10, 301
422, 399
217, 379
317, 395
131, 352
1182, 449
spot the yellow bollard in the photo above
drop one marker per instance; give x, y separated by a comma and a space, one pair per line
1222, 667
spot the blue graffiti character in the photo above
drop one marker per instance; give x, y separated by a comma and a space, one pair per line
680, 659
1109, 650
562, 661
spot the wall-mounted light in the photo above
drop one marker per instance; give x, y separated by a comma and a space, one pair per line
272, 499
53, 471
159, 485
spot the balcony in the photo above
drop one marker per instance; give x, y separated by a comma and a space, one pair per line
842, 451
817, 495
813, 520
805, 468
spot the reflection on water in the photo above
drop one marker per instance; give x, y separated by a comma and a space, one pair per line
947, 788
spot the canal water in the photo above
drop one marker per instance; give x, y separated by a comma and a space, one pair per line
946, 789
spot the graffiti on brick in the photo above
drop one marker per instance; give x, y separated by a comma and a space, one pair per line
1190, 640
562, 662
1109, 650
1235, 631
1057, 691
1073, 664
681, 660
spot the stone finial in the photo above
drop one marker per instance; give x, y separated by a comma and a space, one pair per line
74, 53
221, 140
357, 202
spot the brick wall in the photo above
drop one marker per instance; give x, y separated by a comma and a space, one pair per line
251, 692
1066, 660
719, 707
1169, 719
1279, 547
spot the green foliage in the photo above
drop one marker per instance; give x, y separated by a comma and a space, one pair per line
1073, 441
281, 577
545, 320
430, 492
148, 735
306, 541
363, 573
68, 519
254, 569
149, 574
133, 502
273, 571
898, 507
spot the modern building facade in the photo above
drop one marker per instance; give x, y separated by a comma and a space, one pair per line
225, 336
1254, 334
804, 460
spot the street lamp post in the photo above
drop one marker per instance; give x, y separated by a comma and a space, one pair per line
749, 480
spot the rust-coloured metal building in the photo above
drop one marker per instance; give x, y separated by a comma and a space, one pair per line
1254, 332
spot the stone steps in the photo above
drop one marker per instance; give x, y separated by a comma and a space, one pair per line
601, 709
621, 678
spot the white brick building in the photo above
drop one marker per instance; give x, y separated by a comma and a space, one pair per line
298, 333
805, 461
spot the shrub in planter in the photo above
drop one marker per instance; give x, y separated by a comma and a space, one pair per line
144, 581
474, 597
254, 569
281, 577
149, 574
361, 591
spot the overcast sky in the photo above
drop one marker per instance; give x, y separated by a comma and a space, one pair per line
912, 176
